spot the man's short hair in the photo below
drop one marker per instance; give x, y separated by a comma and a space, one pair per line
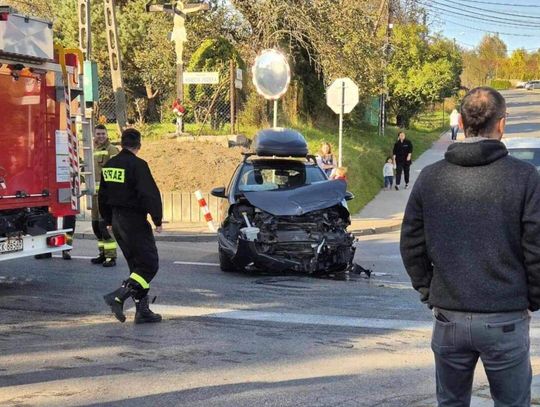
481, 109
131, 138
101, 127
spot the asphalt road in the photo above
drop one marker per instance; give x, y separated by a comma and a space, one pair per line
523, 113
228, 339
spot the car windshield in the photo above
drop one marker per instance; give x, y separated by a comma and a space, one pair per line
273, 175
531, 155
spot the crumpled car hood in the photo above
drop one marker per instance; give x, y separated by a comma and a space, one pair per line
301, 200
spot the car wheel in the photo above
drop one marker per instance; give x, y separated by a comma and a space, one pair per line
225, 262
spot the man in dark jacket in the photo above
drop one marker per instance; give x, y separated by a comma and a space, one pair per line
471, 245
127, 194
402, 153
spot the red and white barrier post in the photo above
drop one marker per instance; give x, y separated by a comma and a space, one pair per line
206, 211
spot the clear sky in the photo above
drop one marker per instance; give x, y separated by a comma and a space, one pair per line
516, 21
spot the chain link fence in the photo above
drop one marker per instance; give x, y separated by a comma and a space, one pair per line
210, 109
228, 106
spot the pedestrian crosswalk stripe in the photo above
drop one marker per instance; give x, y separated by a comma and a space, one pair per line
196, 263
175, 311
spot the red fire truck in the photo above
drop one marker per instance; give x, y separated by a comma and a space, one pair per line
40, 97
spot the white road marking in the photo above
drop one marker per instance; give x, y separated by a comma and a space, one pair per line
290, 318
307, 319
76, 257
196, 263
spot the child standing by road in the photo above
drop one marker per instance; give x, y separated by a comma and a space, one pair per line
340, 173
388, 173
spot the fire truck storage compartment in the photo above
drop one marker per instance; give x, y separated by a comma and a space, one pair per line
24, 151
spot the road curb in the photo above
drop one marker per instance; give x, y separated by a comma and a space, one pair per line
376, 230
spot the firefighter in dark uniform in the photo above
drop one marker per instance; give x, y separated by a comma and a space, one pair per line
103, 151
127, 194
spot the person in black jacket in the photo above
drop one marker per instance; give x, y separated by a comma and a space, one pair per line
403, 150
127, 194
470, 242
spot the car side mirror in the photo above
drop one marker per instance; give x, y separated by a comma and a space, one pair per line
219, 192
349, 196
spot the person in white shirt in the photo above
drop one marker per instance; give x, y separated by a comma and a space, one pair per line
454, 124
388, 173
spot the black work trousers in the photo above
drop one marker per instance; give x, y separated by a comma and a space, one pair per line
402, 168
100, 230
136, 240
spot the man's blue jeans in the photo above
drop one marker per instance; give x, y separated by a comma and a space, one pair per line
500, 340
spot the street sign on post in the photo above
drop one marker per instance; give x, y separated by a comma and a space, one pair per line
342, 97
201, 78
239, 79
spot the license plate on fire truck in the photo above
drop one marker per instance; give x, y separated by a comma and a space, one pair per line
11, 245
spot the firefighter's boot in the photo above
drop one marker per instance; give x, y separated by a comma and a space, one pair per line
144, 314
116, 299
109, 262
99, 259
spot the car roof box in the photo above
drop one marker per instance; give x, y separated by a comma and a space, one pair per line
280, 142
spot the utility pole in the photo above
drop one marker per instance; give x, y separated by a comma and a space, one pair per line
115, 62
387, 54
85, 37
180, 10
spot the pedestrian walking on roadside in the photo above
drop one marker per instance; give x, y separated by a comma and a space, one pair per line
454, 124
127, 194
472, 250
103, 152
326, 159
402, 159
388, 173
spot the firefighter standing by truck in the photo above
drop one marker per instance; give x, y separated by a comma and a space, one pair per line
127, 194
103, 152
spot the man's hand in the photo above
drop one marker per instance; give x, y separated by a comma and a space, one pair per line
109, 229
409, 157
159, 229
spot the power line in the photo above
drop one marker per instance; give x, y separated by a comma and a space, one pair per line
481, 17
482, 20
497, 12
502, 4
492, 32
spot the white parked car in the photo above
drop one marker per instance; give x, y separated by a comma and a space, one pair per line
527, 149
532, 85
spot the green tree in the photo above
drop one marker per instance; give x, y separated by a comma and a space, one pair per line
492, 51
422, 70
203, 100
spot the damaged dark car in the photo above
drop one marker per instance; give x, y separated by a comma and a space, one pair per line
281, 213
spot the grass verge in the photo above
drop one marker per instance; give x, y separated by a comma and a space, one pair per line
364, 154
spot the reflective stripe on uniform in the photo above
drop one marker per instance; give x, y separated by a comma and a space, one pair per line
101, 152
109, 245
100, 244
142, 282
